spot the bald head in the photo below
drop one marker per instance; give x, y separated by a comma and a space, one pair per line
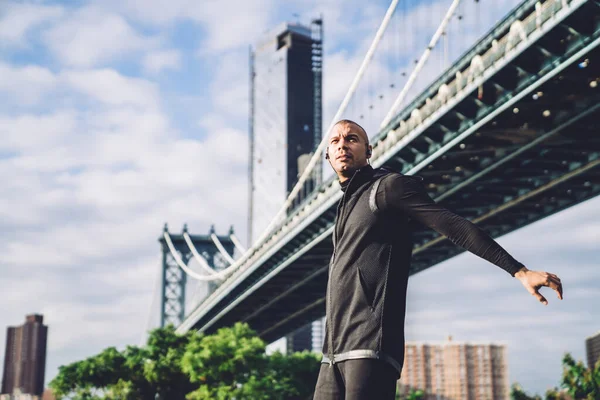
348, 148
347, 123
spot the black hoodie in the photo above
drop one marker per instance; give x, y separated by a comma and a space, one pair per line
369, 268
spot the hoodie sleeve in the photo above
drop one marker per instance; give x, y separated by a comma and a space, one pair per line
407, 194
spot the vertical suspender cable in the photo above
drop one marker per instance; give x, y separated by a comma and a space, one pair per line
237, 243
201, 261
221, 249
420, 64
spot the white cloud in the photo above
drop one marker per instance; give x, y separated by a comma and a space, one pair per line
17, 20
25, 132
158, 61
83, 237
28, 84
155, 12
227, 25
230, 85
112, 88
90, 36
245, 22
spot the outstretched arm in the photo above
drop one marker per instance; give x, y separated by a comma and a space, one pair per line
408, 195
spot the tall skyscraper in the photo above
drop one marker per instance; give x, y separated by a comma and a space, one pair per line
285, 116
285, 126
455, 371
25, 357
592, 349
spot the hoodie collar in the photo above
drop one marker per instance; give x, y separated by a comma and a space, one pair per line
360, 176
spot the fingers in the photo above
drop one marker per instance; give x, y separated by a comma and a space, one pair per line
559, 290
554, 276
553, 282
540, 298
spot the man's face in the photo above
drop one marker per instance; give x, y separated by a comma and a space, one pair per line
347, 149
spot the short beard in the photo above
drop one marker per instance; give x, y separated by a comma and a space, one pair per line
348, 172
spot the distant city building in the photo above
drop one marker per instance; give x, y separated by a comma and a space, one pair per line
25, 358
318, 335
299, 340
592, 349
285, 127
48, 395
310, 337
455, 371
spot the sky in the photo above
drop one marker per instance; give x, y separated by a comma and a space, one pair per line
119, 116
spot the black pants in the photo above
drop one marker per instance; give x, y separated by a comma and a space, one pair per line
364, 379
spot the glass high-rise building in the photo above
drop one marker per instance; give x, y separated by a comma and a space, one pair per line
285, 116
25, 357
592, 350
285, 127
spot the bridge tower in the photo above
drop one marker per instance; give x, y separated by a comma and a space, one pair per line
174, 279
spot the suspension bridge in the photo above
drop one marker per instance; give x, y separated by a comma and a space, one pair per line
505, 136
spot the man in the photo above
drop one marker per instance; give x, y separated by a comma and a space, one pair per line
368, 272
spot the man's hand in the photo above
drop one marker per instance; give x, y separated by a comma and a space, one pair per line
534, 280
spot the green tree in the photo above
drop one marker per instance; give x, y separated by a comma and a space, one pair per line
82, 379
579, 381
298, 372
136, 373
517, 393
417, 394
557, 394
232, 364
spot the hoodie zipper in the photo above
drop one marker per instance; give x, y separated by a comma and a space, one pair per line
340, 213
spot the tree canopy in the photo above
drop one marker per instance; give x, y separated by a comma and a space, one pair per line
231, 363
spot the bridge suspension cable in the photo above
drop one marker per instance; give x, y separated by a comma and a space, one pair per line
221, 249
203, 264
237, 243
413, 76
214, 275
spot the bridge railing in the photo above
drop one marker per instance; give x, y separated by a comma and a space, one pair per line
441, 96
522, 10
466, 80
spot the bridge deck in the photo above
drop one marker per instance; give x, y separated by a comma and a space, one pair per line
520, 145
